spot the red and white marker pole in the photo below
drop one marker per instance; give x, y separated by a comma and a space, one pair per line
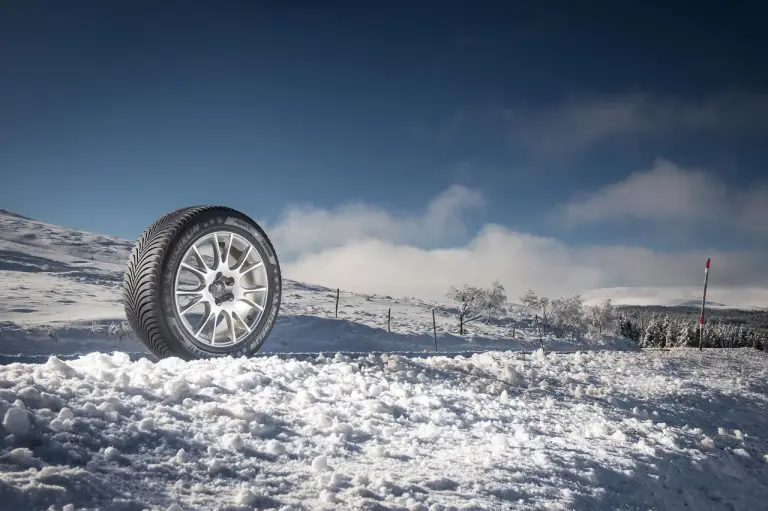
703, 301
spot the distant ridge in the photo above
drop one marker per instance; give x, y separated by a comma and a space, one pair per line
6, 212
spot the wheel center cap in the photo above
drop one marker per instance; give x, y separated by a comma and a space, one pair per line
217, 289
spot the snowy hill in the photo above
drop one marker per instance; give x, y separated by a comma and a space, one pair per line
64, 283
599, 429
717, 298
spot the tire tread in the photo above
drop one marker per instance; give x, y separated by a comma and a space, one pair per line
142, 272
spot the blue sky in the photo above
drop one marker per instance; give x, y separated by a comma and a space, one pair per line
546, 117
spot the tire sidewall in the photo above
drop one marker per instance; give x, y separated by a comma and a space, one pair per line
180, 341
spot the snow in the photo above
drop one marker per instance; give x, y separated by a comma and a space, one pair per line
609, 430
338, 413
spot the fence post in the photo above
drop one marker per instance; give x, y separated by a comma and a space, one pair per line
389, 319
538, 327
337, 302
434, 328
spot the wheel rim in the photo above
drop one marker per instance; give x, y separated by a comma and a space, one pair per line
221, 289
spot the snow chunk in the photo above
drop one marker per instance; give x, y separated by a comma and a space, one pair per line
182, 456
327, 497
304, 398
23, 456
233, 442
275, 447
511, 375
319, 464
57, 365
322, 421
16, 421
246, 497
378, 451
741, 452
147, 424
177, 389
428, 431
111, 453
60, 425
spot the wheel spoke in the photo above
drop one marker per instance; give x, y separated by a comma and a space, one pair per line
231, 325
190, 292
199, 273
240, 264
242, 322
228, 249
252, 304
215, 324
249, 270
204, 323
192, 303
199, 257
254, 289
216, 251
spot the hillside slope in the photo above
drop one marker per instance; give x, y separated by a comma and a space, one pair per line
62, 293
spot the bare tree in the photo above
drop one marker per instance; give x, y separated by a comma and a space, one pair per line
600, 317
470, 301
495, 300
529, 300
475, 303
567, 313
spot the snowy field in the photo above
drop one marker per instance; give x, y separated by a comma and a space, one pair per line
92, 421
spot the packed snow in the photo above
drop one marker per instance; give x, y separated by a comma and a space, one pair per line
90, 420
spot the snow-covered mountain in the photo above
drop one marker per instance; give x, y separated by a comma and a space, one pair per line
597, 429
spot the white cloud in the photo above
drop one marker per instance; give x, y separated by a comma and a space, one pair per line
584, 120
673, 195
307, 229
366, 249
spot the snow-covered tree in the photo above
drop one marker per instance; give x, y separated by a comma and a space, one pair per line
600, 317
529, 300
495, 300
684, 335
475, 302
607, 315
546, 307
469, 298
653, 333
667, 334
567, 313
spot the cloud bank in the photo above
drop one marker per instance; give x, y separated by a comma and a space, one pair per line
366, 249
581, 121
668, 194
